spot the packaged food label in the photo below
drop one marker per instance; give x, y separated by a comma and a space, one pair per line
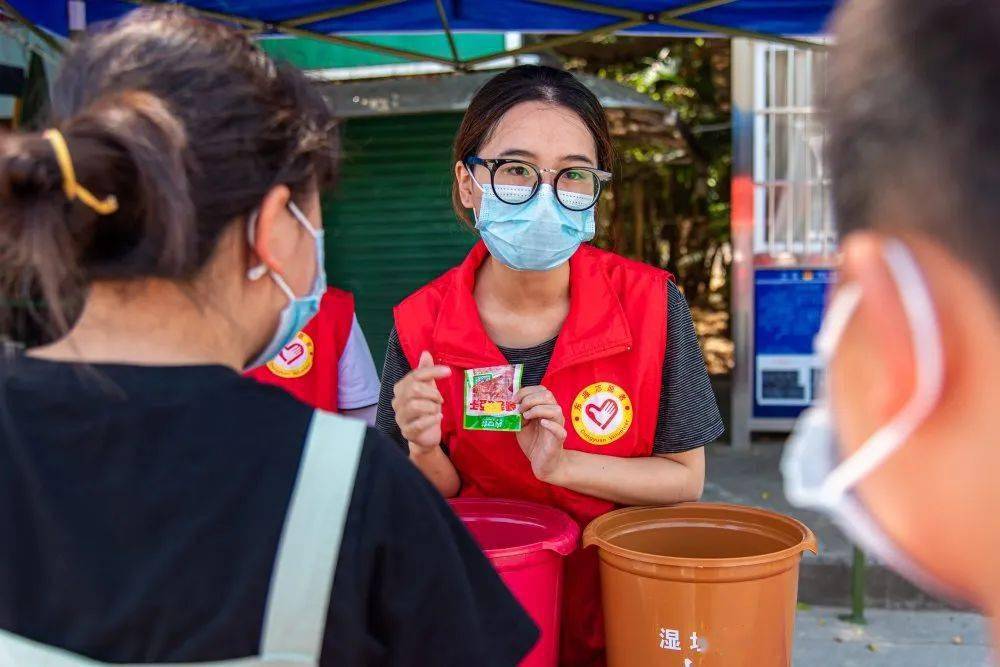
489, 398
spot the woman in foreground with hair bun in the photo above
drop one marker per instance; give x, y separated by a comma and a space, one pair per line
155, 505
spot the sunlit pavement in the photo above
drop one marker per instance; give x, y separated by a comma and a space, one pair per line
891, 637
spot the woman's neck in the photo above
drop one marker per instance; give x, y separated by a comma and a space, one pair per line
523, 291
521, 309
156, 322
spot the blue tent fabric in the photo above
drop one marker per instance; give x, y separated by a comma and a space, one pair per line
775, 17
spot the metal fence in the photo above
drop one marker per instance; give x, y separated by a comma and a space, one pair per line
793, 217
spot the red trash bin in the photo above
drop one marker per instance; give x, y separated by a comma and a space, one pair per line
526, 543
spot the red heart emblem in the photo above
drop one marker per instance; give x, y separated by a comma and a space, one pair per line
603, 415
291, 352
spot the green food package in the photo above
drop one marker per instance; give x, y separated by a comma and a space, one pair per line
489, 398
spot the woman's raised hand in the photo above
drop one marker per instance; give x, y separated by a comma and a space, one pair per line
542, 436
417, 403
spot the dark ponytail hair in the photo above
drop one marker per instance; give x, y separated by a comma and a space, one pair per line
528, 83
186, 123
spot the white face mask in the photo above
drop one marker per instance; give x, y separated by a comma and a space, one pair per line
815, 476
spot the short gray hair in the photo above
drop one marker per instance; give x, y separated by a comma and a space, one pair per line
914, 102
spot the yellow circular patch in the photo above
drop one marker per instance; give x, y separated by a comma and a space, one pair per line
295, 359
602, 413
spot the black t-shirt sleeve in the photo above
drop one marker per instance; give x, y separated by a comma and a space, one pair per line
433, 597
689, 414
394, 369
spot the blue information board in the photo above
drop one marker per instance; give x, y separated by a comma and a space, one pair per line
788, 310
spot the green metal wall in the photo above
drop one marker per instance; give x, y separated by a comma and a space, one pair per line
389, 224
314, 54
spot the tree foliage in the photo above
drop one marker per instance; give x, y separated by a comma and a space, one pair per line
670, 202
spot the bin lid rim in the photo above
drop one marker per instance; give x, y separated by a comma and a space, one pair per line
563, 533
807, 542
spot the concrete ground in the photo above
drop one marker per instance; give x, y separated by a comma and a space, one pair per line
892, 638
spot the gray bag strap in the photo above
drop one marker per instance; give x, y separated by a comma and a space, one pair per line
295, 616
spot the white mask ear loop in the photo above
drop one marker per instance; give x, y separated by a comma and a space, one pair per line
303, 220
475, 214
837, 318
255, 273
928, 360
473, 177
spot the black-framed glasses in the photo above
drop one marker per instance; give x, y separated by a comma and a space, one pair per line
516, 182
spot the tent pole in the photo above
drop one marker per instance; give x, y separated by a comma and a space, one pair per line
694, 7
339, 12
671, 18
582, 6
561, 40
261, 26
10, 11
366, 46
697, 26
447, 33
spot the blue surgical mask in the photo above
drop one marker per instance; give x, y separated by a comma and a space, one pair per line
300, 309
539, 234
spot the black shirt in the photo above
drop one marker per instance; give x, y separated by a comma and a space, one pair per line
688, 412
140, 512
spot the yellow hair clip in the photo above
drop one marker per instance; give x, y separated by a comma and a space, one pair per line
74, 190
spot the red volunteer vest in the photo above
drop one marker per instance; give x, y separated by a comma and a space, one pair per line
307, 367
606, 372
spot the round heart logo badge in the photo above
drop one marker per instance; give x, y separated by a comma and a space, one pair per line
602, 413
295, 359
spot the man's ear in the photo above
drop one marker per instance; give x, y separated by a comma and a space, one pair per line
873, 371
271, 237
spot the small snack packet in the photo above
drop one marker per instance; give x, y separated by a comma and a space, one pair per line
489, 398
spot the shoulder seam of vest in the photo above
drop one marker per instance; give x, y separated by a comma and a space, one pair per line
439, 284
630, 264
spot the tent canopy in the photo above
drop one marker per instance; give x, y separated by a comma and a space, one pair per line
336, 20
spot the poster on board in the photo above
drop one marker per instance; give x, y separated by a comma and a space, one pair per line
788, 310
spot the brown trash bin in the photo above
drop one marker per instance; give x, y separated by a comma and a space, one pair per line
699, 584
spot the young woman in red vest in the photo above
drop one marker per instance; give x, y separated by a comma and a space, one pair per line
328, 364
617, 403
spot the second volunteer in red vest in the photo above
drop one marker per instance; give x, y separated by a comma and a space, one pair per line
616, 400
328, 364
